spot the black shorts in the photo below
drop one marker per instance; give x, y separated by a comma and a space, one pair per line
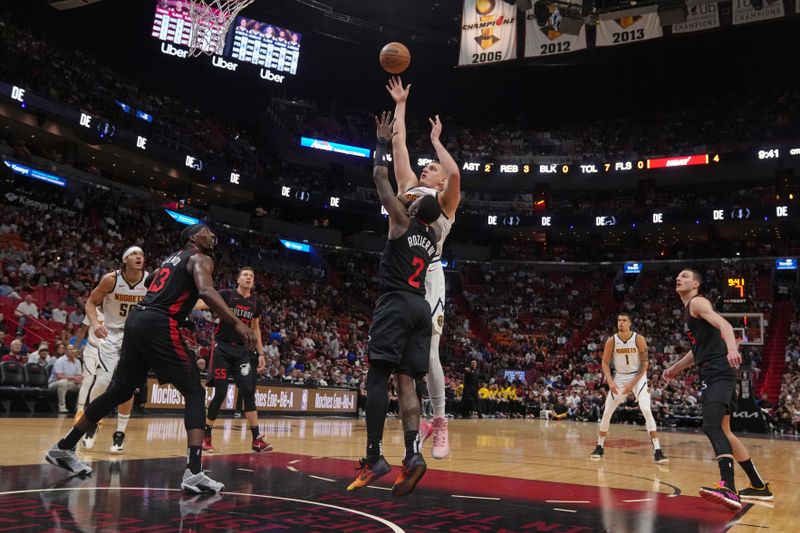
718, 383
152, 341
401, 332
230, 360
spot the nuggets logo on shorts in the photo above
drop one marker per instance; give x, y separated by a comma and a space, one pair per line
440, 320
244, 368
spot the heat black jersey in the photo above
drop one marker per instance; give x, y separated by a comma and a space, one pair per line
173, 290
245, 309
405, 260
706, 341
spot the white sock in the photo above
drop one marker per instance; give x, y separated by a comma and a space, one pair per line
600, 440
656, 445
122, 422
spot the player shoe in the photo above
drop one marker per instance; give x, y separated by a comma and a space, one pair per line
199, 483
118, 442
660, 457
425, 429
722, 495
259, 445
441, 440
368, 473
68, 460
598, 452
207, 447
89, 438
763, 494
413, 469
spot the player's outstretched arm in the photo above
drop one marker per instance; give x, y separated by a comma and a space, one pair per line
702, 307
406, 178
398, 217
451, 196
685, 362
201, 267
95, 300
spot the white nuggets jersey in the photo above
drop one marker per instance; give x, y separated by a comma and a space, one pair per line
118, 303
626, 355
442, 225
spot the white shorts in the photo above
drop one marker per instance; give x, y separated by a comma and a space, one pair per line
108, 352
434, 294
640, 391
89, 360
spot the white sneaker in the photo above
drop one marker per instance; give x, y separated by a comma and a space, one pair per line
88, 440
199, 483
441, 441
68, 460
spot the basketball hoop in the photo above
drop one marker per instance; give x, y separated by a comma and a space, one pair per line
211, 20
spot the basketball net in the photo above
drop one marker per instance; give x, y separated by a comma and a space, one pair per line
211, 20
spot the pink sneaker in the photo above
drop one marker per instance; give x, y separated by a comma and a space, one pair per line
441, 441
425, 429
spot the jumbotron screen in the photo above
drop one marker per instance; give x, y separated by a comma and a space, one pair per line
276, 50
265, 45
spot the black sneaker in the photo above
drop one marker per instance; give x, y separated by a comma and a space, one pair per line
597, 453
722, 495
660, 457
118, 440
413, 469
763, 494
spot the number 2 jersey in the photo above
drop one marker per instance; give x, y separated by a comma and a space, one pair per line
172, 290
405, 260
119, 302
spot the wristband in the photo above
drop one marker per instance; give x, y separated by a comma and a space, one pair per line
381, 149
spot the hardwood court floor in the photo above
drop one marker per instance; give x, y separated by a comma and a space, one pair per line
502, 475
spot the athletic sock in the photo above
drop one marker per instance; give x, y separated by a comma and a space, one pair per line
656, 445
194, 454
600, 441
71, 439
755, 478
122, 422
726, 472
412, 443
255, 431
208, 430
373, 451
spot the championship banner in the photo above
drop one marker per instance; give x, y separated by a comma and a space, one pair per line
700, 17
488, 32
745, 13
277, 399
628, 30
547, 39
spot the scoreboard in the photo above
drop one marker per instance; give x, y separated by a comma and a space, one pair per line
265, 45
275, 50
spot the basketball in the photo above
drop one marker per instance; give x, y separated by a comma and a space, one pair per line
395, 58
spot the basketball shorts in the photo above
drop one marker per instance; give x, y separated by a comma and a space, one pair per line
434, 295
639, 389
230, 360
718, 383
108, 351
401, 332
152, 341
89, 361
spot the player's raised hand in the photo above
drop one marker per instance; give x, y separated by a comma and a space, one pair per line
397, 91
436, 128
384, 126
247, 336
